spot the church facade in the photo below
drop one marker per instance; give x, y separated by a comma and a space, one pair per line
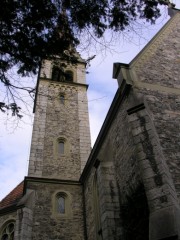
128, 186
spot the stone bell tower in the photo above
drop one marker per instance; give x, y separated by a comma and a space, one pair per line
61, 135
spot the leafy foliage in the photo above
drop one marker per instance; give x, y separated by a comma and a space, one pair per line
33, 30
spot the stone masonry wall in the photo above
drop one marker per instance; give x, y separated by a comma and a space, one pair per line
129, 180
83, 115
159, 186
56, 120
159, 63
110, 227
8, 217
81, 73
119, 178
158, 75
25, 220
46, 70
133, 170
37, 142
143, 148
89, 206
47, 224
84, 129
23, 223
62, 122
166, 114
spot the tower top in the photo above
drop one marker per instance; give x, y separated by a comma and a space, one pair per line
61, 135
68, 68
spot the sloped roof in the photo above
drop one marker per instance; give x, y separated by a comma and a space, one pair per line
13, 197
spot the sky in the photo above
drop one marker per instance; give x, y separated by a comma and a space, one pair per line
15, 137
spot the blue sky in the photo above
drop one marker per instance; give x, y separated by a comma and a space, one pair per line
15, 138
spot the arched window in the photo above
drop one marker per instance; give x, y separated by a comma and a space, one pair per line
61, 76
61, 147
55, 74
69, 76
7, 232
61, 204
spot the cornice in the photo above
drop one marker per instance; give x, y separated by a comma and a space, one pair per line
49, 80
10, 209
49, 180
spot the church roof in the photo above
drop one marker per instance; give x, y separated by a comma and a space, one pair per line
13, 197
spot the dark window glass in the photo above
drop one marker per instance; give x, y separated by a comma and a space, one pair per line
8, 232
55, 74
69, 76
61, 77
5, 237
10, 227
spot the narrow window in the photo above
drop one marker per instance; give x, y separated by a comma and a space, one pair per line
61, 204
69, 76
62, 98
55, 74
61, 147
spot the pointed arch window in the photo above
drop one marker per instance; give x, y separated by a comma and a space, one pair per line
7, 232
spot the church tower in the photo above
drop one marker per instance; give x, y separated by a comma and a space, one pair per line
48, 204
61, 135
59, 150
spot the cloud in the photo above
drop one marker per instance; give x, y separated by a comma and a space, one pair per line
14, 154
